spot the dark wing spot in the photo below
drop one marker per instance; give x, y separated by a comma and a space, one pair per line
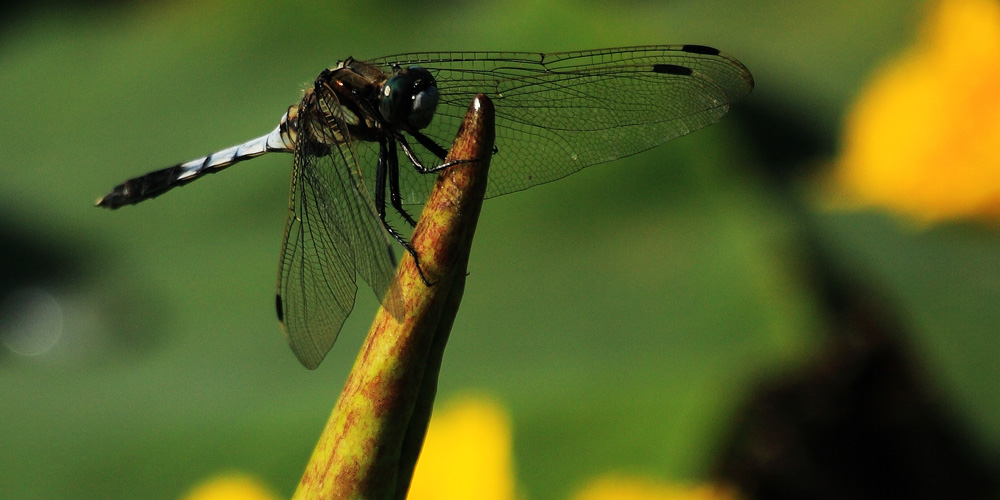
672, 69
700, 49
281, 310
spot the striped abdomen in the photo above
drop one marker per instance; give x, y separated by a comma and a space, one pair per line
281, 139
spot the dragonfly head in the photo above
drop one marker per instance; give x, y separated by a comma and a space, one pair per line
409, 98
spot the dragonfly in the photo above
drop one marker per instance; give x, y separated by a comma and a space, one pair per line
556, 113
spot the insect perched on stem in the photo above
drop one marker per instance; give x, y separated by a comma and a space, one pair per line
555, 114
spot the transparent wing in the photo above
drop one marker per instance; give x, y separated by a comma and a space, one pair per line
555, 114
332, 235
558, 113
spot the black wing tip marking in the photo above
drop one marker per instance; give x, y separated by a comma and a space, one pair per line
309, 359
672, 69
712, 51
280, 308
700, 49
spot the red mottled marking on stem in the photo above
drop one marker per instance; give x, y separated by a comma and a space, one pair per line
370, 444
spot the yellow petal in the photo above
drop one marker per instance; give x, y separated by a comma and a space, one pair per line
466, 454
634, 488
922, 137
232, 486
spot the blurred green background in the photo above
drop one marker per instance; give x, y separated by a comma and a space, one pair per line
623, 315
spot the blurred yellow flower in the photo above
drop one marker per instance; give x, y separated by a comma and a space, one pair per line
466, 454
924, 136
632, 488
231, 486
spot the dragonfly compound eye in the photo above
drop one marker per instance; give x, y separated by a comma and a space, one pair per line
409, 98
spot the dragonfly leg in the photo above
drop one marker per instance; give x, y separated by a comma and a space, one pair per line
433, 147
385, 163
394, 196
380, 203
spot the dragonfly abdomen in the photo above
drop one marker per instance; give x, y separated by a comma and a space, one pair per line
153, 184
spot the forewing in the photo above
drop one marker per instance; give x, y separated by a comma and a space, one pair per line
558, 113
332, 235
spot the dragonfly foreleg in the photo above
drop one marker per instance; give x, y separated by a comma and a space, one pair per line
434, 148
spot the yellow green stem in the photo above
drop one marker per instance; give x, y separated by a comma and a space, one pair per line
371, 441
